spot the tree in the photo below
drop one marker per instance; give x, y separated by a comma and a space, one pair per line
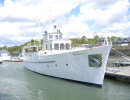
113, 38
96, 37
32, 41
84, 39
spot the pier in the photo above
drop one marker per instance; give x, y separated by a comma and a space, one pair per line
119, 73
121, 63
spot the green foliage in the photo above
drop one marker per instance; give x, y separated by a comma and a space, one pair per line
75, 42
96, 37
18, 49
112, 39
78, 41
15, 49
3, 48
90, 41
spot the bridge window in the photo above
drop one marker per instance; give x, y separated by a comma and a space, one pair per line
50, 36
60, 36
67, 46
56, 36
62, 46
56, 46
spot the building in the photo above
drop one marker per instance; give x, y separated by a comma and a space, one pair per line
122, 42
84, 38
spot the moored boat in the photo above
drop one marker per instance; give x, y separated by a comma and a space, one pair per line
5, 56
58, 59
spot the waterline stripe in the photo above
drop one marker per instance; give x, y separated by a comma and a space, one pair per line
44, 62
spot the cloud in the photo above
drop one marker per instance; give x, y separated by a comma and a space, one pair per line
11, 40
19, 19
103, 3
119, 28
108, 15
75, 26
9, 29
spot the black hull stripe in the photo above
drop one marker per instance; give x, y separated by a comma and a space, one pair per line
45, 62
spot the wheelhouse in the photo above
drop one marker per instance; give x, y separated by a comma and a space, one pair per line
54, 41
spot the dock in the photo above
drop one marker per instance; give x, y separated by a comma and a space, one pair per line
119, 73
121, 63
16, 60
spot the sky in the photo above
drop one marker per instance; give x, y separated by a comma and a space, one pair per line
19, 19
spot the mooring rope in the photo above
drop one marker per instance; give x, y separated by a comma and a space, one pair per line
13, 94
121, 53
111, 63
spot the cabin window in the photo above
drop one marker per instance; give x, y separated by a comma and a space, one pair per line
56, 36
60, 36
50, 36
62, 46
67, 46
56, 46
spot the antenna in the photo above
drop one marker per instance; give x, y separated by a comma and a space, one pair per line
50, 16
39, 32
53, 21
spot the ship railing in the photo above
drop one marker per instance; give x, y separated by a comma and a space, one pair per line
106, 42
30, 48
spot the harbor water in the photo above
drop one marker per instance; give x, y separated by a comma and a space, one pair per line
18, 83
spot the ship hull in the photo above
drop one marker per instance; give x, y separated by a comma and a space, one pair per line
87, 66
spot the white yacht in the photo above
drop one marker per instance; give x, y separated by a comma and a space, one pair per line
5, 56
57, 58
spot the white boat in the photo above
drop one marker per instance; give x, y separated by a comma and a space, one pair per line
5, 56
58, 59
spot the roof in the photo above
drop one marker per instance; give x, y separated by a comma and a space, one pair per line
57, 32
122, 40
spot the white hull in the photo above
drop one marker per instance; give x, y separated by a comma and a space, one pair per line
21, 58
5, 58
73, 65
